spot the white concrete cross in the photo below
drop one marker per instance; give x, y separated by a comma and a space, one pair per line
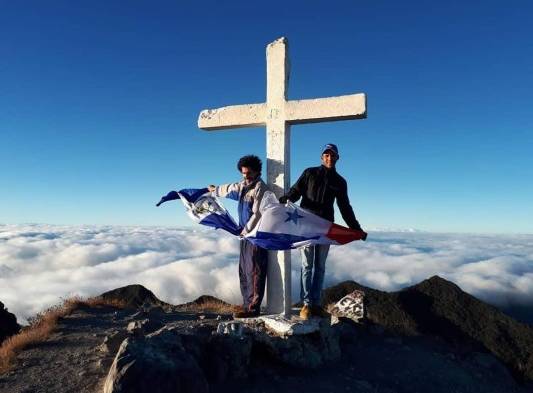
277, 114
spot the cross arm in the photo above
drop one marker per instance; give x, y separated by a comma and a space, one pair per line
326, 109
235, 116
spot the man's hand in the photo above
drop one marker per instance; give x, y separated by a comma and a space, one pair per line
211, 188
364, 236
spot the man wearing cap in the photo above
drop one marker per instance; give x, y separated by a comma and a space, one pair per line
319, 187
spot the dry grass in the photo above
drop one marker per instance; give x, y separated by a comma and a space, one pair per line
210, 305
43, 324
101, 302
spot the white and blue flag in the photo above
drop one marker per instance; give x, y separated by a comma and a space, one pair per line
280, 227
286, 226
203, 208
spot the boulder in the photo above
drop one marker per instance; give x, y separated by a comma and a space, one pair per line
227, 357
8, 323
144, 326
310, 350
112, 341
156, 363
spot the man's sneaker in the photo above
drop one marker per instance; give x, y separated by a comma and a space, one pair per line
305, 312
318, 311
246, 314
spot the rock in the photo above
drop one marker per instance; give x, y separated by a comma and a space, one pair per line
227, 357
350, 306
491, 363
281, 326
8, 323
440, 308
134, 296
231, 327
156, 363
112, 341
363, 386
143, 327
484, 360
136, 328
302, 351
393, 340
347, 329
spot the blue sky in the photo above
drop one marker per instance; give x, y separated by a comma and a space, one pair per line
99, 103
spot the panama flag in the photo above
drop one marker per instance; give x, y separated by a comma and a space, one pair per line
203, 208
283, 227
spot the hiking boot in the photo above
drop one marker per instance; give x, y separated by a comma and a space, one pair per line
246, 314
237, 309
305, 312
318, 311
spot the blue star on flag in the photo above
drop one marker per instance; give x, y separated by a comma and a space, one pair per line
294, 216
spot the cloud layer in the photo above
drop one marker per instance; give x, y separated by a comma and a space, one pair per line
40, 264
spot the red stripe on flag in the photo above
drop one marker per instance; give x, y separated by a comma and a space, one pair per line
343, 235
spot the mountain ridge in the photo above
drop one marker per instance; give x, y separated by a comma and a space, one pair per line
426, 337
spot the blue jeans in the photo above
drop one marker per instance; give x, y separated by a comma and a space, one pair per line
313, 270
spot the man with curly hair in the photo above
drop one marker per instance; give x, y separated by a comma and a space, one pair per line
253, 260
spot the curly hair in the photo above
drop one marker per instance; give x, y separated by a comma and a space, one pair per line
250, 161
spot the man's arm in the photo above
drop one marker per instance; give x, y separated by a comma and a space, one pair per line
256, 214
231, 191
346, 209
296, 190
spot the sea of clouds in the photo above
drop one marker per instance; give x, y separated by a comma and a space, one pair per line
42, 264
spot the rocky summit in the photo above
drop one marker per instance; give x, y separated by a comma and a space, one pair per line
431, 337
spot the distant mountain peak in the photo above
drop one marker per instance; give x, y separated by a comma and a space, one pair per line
439, 307
134, 295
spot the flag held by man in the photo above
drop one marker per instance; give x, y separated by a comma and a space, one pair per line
281, 226
286, 226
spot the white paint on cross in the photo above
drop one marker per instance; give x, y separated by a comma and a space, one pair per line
277, 114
